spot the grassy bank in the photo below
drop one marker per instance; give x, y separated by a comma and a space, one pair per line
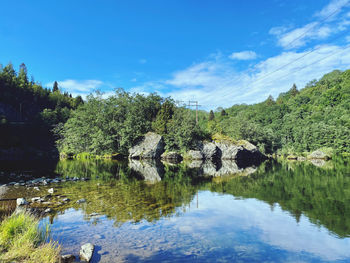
22, 240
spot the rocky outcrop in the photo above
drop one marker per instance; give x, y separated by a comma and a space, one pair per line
151, 172
210, 151
319, 155
150, 146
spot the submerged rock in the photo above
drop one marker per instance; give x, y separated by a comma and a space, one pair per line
80, 201
21, 201
150, 146
67, 258
86, 252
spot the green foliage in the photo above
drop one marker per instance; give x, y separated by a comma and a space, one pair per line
21, 240
299, 121
28, 107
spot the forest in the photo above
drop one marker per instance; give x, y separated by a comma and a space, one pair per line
296, 122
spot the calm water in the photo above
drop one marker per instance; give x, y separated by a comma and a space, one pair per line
148, 212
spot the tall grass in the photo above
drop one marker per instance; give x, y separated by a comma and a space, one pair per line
21, 240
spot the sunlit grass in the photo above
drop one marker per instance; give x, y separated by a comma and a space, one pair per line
21, 240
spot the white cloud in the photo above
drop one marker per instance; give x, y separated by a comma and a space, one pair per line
332, 9
328, 22
217, 83
78, 87
244, 55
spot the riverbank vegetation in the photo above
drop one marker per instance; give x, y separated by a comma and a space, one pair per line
298, 121
22, 240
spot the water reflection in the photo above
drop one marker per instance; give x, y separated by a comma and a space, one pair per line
203, 211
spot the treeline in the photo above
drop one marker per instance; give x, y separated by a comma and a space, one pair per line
317, 116
112, 125
28, 112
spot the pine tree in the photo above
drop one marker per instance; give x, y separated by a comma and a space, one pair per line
55, 87
211, 116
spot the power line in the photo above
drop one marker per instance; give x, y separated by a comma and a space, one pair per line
297, 59
318, 23
315, 62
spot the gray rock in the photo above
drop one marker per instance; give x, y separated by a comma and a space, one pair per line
228, 150
36, 199
86, 252
80, 201
195, 155
150, 146
21, 201
67, 258
210, 151
318, 155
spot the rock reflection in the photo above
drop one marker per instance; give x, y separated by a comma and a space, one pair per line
151, 171
220, 168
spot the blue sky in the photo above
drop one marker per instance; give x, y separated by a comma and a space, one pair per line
217, 52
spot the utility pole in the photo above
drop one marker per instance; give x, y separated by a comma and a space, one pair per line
194, 104
191, 103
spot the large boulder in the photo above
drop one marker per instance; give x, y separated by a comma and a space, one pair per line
228, 149
210, 151
243, 152
150, 146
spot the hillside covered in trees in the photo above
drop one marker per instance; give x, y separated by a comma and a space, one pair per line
28, 112
317, 116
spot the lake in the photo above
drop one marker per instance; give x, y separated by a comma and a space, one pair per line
197, 212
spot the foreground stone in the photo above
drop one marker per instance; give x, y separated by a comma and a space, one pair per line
86, 252
150, 146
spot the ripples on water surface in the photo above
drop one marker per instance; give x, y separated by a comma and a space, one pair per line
142, 212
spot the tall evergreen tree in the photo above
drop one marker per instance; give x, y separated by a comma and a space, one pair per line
55, 87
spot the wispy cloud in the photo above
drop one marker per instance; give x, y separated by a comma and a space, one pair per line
327, 22
78, 87
217, 83
243, 55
